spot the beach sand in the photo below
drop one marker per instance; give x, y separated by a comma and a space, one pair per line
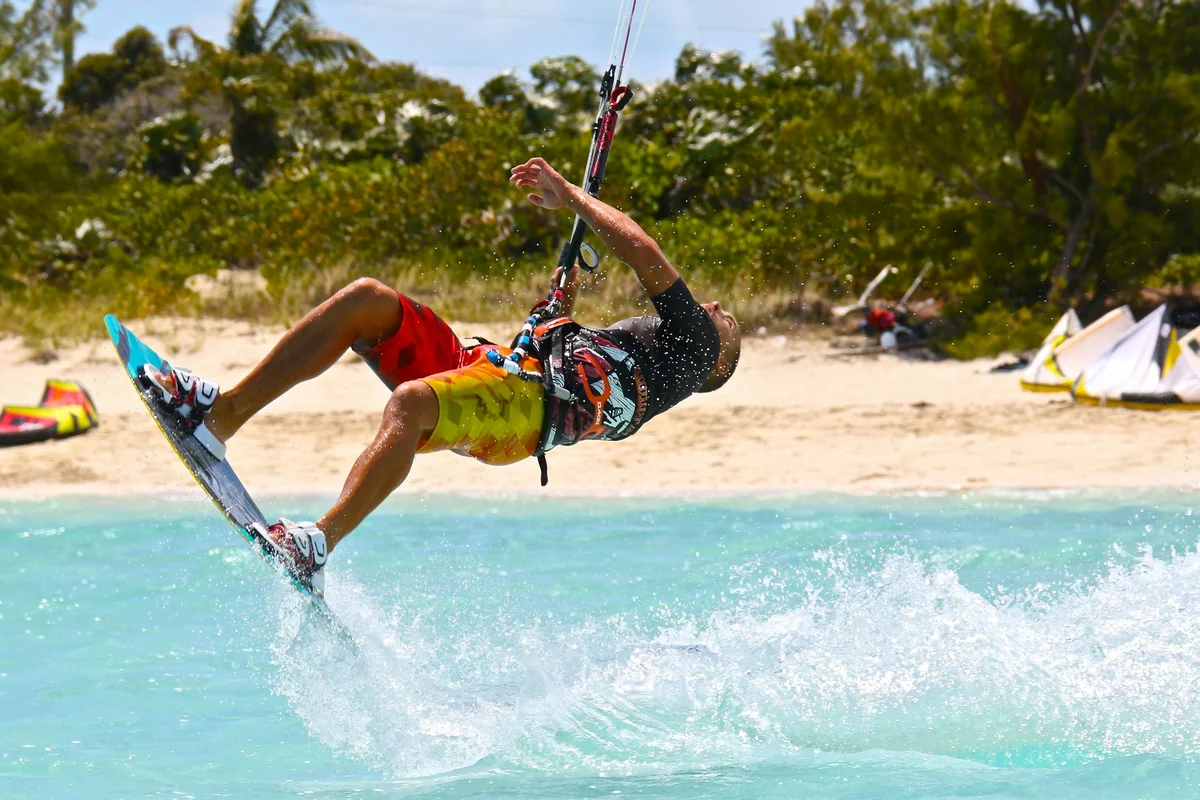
791, 420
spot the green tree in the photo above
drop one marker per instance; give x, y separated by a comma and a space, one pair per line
172, 146
94, 82
19, 101
507, 94
846, 209
142, 55
1045, 146
363, 112
100, 78
249, 72
570, 82
26, 41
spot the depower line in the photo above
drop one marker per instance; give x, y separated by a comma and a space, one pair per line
460, 11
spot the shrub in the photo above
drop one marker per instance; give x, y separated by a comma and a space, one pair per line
172, 146
93, 82
142, 55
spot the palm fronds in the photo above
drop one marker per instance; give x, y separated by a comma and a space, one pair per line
320, 45
203, 47
246, 32
283, 16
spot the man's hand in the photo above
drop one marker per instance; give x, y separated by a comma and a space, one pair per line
551, 188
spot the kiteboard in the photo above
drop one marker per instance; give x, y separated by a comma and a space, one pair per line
217, 478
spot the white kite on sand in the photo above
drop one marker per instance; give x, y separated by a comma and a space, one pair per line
1067, 350
1042, 374
1115, 362
1149, 368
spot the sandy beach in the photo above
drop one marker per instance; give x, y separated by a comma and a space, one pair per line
792, 420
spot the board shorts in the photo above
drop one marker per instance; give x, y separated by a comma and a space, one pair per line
483, 411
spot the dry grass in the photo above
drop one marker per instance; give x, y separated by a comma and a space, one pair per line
611, 293
49, 320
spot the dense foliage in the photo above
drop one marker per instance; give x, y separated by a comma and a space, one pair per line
1035, 156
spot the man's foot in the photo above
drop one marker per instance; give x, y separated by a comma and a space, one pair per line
300, 547
192, 398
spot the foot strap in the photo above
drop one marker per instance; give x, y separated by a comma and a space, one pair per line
192, 397
309, 540
211, 443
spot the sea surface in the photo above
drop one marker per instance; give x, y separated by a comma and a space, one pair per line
982, 645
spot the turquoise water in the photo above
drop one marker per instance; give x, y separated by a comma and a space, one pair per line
1020, 645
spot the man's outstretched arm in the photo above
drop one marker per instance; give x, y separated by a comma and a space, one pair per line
624, 237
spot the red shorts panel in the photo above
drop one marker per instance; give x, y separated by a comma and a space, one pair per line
423, 346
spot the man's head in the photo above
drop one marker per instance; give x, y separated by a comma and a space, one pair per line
731, 346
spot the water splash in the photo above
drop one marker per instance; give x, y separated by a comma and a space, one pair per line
886, 650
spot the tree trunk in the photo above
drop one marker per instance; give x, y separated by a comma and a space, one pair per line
66, 28
1060, 278
254, 140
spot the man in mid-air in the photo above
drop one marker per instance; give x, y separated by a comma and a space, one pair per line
608, 382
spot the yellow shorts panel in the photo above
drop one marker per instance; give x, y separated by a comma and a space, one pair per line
486, 413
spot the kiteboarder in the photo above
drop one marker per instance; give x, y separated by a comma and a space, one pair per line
569, 382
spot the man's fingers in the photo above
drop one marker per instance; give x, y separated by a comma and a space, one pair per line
524, 177
530, 174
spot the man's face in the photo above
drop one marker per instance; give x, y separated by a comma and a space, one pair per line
731, 345
727, 326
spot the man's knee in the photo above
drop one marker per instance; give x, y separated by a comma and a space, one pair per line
414, 406
373, 307
370, 292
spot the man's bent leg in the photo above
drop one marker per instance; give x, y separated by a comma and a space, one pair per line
477, 410
411, 414
366, 310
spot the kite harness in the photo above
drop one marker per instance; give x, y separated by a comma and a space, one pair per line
547, 314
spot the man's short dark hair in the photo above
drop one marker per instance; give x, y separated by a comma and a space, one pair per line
718, 378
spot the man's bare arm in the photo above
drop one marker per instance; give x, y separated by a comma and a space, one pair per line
624, 237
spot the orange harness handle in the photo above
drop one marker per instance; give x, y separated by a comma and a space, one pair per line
543, 328
600, 400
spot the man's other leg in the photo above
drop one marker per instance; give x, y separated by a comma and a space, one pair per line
366, 310
477, 410
410, 416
